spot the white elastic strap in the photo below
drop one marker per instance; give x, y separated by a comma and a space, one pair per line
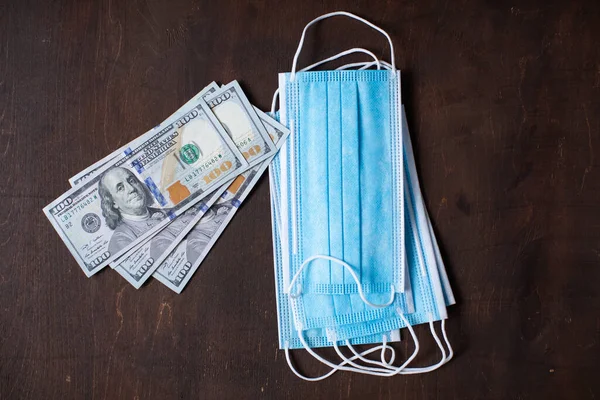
450, 350
365, 65
383, 351
342, 54
330, 364
274, 101
334, 370
349, 269
333, 14
374, 362
383, 346
390, 370
383, 363
361, 367
416, 370
421, 370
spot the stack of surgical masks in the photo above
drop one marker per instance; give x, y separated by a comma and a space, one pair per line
356, 259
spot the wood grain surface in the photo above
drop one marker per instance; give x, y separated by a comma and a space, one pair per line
503, 102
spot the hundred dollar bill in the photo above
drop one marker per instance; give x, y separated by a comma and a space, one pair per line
187, 255
240, 120
93, 169
144, 189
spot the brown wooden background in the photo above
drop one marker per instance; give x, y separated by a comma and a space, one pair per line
503, 105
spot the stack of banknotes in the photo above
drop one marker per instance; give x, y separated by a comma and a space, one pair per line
156, 206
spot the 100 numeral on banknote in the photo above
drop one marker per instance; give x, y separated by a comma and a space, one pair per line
139, 193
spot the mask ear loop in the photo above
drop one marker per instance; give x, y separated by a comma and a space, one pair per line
364, 65
384, 347
450, 350
333, 370
380, 371
402, 370
359, 368
444, 360
349, 269
390, 369
337, 366
363, 367
340, 13
383, 351
342, 54
274, 101
383, 363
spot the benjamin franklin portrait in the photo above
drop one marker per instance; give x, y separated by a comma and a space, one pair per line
125, 203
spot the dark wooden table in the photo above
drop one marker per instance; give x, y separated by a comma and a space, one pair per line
503, 102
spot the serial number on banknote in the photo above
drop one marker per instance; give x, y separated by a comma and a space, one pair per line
243, 143
207, 164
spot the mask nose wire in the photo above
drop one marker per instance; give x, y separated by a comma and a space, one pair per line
352, 273
375, 61
333, 14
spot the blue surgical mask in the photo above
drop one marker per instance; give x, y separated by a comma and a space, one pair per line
321, 219
343, 169
356, 139
345, 178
